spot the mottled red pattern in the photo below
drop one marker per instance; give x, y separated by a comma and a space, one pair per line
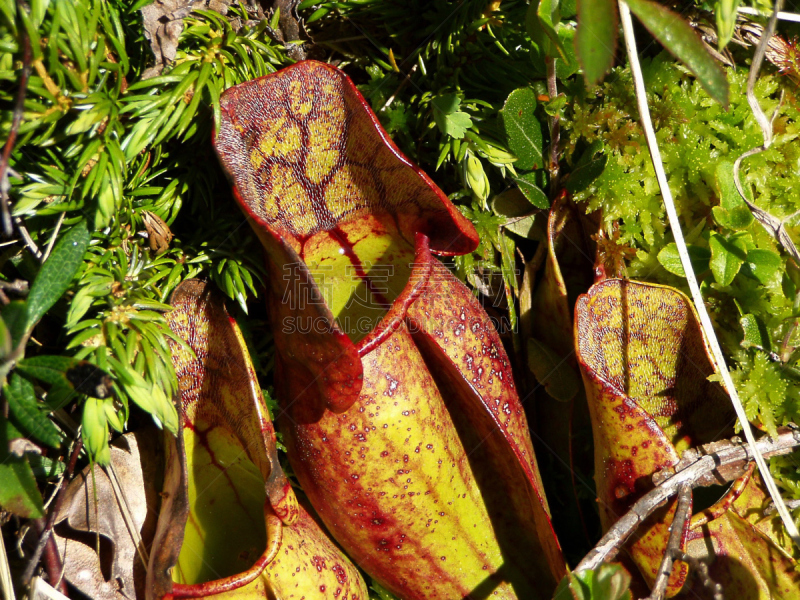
412, 443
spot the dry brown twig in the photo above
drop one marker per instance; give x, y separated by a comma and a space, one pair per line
51, 517
712, 464
682, 514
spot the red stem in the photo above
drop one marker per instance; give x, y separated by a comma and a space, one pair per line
51, 517
52, 560
25, 42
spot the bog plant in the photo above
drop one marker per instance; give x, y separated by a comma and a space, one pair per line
750, 284
115, 196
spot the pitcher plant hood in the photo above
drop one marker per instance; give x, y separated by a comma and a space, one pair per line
399, 409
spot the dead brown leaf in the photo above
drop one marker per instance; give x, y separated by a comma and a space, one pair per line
163, 24
92, 533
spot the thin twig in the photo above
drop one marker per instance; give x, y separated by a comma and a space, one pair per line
790, 504
712, 464
26, 237
51, 517
676, 530
691, 279
18, 287
16, 120
782, 16
5, 573
404, 83
555, 125
772, 224
53, 237
51, 559
755, 67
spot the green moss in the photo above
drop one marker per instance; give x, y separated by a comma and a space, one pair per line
748, 273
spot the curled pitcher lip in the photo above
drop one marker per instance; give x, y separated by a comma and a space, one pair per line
223, 479
407, 434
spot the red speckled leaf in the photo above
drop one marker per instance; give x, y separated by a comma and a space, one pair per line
467, 359
401, 418
645, 370
245, 534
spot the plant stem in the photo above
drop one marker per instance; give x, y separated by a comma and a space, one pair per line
52, 560
51, 517
19, 107
676, 529
697, 297
555, 126
714, 464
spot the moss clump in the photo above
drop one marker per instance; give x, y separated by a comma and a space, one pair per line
750, 284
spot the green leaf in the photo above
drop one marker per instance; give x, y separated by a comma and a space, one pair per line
450, 120
671, 260
19, 493
732, 213
511, 203
726, 13
727, 257
14, 315
527, 185
765, 265
596, 38
81, 303
677, 36
27, 411
476, 179
588, 168
381, 592
522, 218
608, 582
148, 396
554, 106
95, 431
755, 333
523, 130
540, 21
569, 65
531, 227
46, 468
5, 340
57, 272
60, 394
49, 369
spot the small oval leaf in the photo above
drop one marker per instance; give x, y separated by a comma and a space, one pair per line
534, 194
671, 260
679, 38
596, 38
57, 272
523, 130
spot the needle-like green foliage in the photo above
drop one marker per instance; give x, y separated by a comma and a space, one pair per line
460, 86
100, 145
